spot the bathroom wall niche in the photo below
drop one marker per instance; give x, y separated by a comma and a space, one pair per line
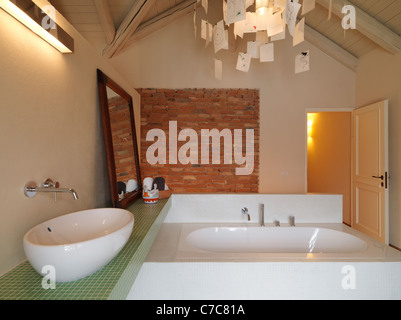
120, 142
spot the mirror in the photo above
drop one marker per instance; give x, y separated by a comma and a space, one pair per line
120, 142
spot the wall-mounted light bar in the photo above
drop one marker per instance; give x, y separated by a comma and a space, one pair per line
42, 23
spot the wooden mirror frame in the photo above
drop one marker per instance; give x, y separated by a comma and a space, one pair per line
103, 82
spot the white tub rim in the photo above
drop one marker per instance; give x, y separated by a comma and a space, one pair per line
307, 240
176, 250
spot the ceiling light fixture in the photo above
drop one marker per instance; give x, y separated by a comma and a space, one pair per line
261, 6
29, 14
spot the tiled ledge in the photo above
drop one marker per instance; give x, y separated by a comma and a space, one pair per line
113, 282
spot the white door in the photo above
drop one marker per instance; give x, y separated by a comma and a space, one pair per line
371, 189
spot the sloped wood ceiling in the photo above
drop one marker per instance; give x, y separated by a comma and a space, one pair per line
114, 25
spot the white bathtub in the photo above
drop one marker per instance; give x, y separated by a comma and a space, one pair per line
192, 261
207, 249
250, 242
273, 240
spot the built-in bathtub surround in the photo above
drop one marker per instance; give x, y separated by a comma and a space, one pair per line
207, 249
201, 109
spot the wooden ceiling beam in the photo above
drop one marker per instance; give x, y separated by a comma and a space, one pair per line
311, 35
162, 20
142, 30
106, 20
128, 27
331, 48
368, 26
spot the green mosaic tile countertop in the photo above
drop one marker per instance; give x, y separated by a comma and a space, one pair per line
113, 282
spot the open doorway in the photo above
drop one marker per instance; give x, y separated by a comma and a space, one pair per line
329, 155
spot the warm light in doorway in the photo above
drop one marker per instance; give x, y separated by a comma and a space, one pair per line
311, 118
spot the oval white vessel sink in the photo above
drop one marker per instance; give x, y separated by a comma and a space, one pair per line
80, 243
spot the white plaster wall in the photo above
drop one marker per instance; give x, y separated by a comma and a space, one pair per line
174, 58
50, 127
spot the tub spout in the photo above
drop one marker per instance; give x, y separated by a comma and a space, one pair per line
245, 211
262, 215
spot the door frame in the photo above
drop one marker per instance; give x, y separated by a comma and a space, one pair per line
321, 110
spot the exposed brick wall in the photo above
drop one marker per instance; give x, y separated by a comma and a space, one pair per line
122, 139
199, 109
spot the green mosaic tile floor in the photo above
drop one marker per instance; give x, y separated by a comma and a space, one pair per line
112, 282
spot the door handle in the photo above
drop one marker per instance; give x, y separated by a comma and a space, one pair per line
383, 178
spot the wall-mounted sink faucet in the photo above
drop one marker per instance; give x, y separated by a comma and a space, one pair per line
31, 189
245, 211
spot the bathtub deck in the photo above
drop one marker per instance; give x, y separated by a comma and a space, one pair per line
112, 282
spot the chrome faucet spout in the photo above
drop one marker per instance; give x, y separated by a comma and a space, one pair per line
262, 215
31, 189
69, 190
61, 190
74, 194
